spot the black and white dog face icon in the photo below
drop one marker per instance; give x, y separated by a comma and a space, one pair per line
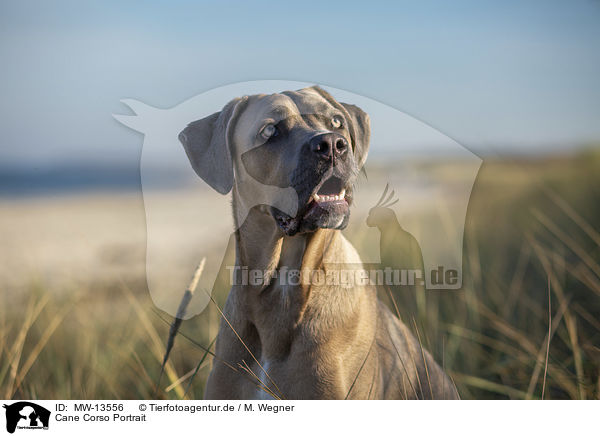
272, 143
29, 417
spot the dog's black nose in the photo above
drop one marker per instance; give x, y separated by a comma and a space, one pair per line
327, 145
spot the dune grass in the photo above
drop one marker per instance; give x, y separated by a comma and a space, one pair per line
526, 324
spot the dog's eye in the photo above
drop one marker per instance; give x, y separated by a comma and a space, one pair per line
268, 131
337, 122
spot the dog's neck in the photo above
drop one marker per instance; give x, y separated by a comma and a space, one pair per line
278, 307
262, 246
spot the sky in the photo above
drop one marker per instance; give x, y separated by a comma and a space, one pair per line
495, 76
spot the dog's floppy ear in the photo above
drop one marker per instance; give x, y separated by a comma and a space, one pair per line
360, 125
360, 131
207, 143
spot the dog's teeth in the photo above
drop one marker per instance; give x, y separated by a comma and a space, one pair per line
323, 198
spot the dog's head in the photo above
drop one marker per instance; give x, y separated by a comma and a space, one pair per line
304, 140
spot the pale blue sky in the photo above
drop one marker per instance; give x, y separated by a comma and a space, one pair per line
495, 76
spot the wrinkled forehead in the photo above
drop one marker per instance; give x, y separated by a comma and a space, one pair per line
272, 108
309, 101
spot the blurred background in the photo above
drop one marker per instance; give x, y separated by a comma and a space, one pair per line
516, 83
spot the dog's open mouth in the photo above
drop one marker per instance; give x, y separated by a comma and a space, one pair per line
327, 207
331, 190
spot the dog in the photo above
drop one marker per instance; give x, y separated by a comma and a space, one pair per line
290, 160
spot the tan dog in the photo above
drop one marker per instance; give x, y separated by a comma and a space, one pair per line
291, 159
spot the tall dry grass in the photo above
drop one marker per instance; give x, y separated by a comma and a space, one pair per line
526, 324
